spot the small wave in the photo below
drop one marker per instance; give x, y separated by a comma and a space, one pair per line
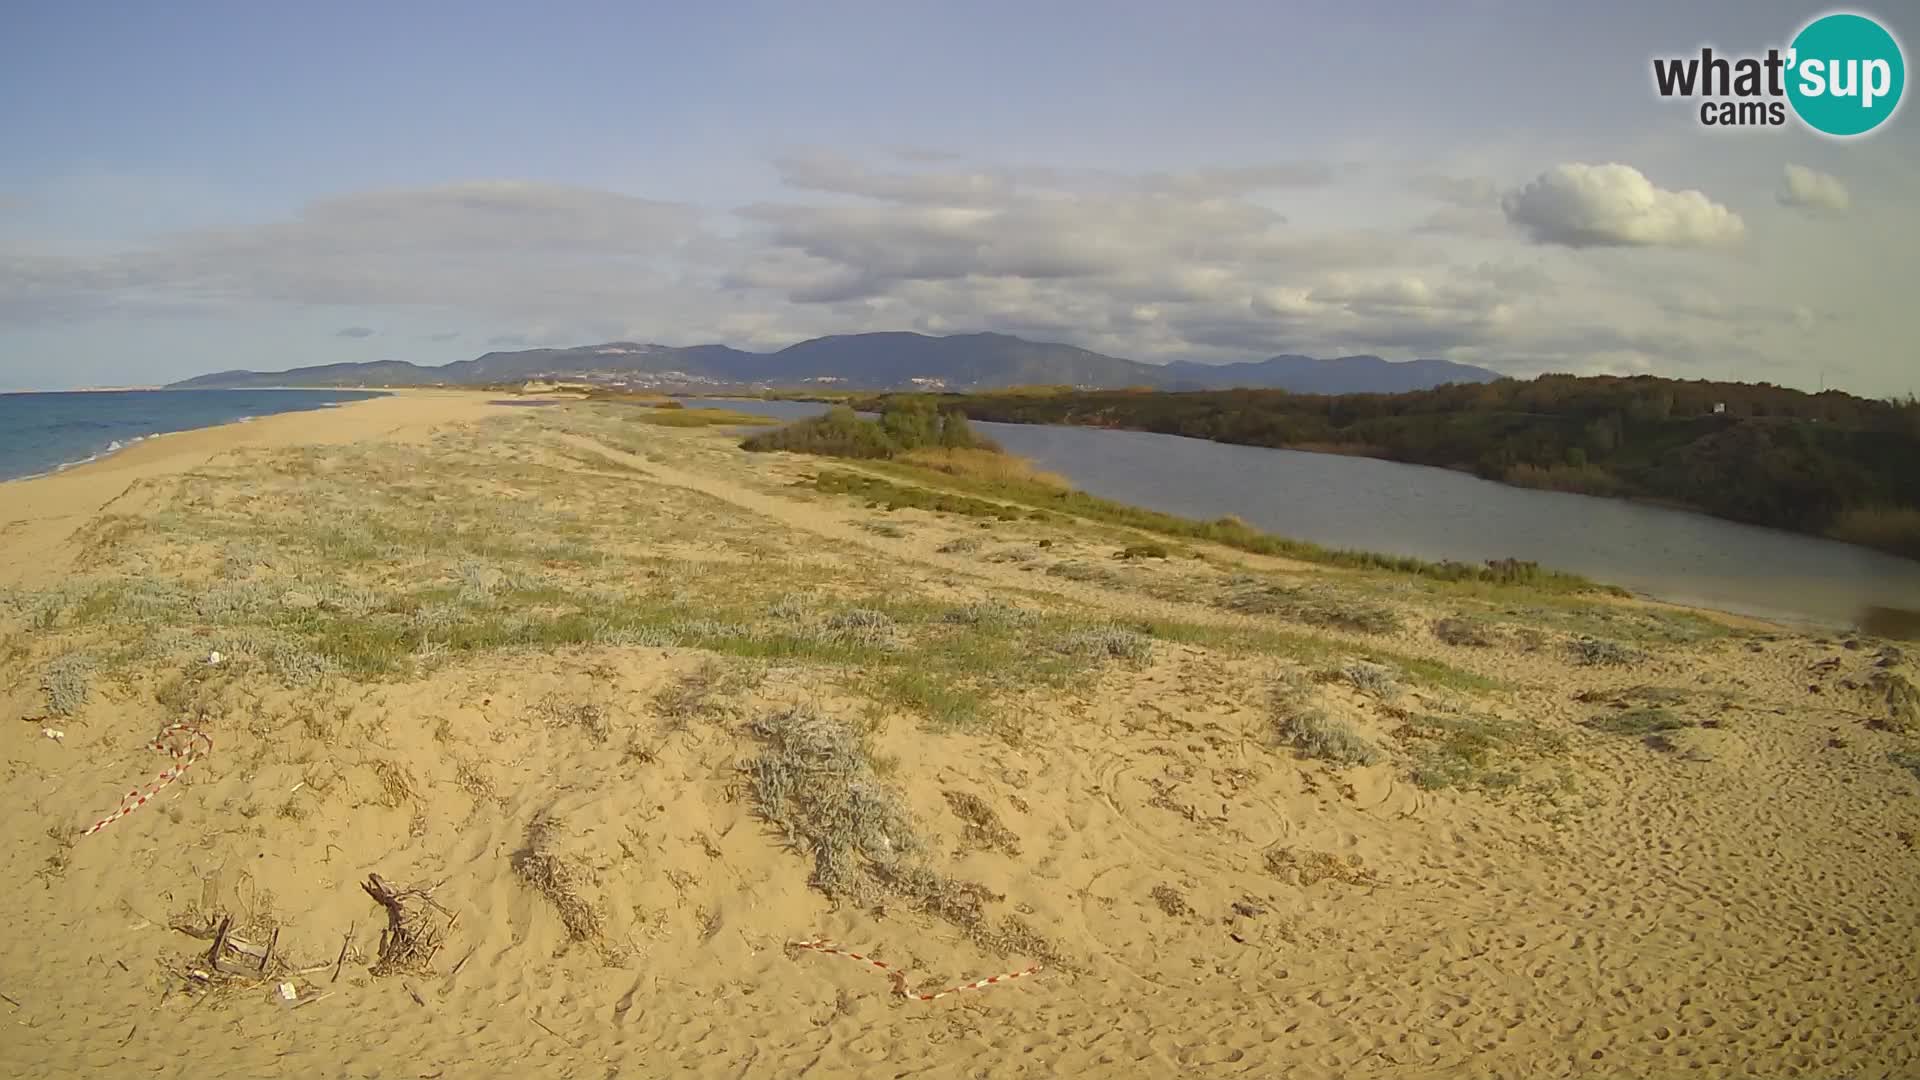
113, 447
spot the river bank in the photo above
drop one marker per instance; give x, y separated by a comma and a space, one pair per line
1436, 514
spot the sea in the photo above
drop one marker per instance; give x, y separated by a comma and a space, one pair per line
44, 433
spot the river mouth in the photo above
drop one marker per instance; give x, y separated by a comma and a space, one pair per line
1366, 504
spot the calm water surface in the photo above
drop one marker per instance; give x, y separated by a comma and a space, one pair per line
1384, 506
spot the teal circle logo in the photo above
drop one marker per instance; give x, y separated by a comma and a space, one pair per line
1845, 75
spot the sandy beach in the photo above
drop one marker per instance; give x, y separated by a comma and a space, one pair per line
614, 714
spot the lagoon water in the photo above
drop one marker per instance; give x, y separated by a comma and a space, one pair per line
1372, 505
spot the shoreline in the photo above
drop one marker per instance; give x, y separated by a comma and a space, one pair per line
117, 446
1632, 498
39, 514
1760, 611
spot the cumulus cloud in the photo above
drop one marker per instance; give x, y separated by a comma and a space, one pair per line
1614, 205
1808, 189
354, 332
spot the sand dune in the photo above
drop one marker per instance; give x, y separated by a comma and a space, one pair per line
642, 711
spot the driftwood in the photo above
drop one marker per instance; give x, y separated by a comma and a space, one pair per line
417, 927
220, 932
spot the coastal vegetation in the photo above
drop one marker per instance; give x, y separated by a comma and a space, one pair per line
928, 446
1829, 464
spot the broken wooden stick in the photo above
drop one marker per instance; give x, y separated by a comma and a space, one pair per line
344, 942
219, 942
463, 962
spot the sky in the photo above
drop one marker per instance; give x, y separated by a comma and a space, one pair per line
195, 187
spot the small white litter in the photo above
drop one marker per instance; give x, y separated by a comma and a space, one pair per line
214, 658
288, 992
53, 733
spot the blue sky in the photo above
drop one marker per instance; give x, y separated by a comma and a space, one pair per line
203, 186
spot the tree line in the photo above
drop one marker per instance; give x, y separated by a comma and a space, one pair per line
1828, 463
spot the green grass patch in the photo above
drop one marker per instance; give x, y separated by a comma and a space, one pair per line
1644, 721
1313, 607
700, 418
1471, 752
1234, 533
1312, 650
886, 495
943, 702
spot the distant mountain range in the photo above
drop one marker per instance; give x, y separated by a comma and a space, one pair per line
884, 361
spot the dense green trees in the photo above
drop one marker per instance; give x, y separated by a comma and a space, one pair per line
1750, 452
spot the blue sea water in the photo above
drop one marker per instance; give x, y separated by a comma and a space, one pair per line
41, 433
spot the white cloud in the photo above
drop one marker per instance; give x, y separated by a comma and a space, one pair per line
1811, 190
1465, 192
1580, 205
1208, 263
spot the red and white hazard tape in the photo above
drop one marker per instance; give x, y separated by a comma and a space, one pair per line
899, 978
184, 753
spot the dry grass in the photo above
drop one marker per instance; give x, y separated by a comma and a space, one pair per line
1170, 902
1332, 610
396, 783
1597, 652
1457, 631
1114, 642
593, 719
983, 826
1377, 680
475, 782
564, 880
984, 465
1312, 867
691, 696
1315, 733
1889, 529
815, 782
